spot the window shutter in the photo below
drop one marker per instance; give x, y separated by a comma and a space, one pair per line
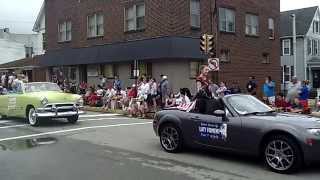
281, 47
291, 46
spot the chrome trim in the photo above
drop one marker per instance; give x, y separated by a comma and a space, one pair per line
51, 110
59, 114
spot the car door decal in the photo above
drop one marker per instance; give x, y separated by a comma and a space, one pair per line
213, 131
12, 103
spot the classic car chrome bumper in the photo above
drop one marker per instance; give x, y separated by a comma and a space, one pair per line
59, 110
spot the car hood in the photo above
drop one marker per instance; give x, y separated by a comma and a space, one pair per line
294, 119
56, 97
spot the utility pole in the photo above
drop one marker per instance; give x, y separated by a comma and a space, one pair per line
294, 35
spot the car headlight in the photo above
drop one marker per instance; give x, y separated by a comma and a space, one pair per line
80, 101
315, 132
44, 101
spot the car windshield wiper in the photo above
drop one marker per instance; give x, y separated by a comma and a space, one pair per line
259, 112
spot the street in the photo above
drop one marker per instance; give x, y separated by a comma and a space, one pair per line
108, 146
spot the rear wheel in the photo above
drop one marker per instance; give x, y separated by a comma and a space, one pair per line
171, 138
73, 119
32, 118
282, 155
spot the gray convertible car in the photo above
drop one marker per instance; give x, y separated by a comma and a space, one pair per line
244, 125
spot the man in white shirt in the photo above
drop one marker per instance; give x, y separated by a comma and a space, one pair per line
3, 79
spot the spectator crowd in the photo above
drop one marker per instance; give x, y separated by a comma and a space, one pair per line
148, 95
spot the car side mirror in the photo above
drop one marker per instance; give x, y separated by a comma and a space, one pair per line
219, 113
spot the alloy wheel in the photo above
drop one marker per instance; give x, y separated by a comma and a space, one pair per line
170, 138
279, 155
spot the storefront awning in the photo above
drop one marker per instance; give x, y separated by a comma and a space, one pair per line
156, 48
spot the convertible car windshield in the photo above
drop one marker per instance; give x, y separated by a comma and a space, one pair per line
245, 104
38, 87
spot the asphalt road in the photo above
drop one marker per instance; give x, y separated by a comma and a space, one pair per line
104, 146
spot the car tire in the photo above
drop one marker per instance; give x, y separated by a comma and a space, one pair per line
73, 119
33, 120
282, 154
171, 138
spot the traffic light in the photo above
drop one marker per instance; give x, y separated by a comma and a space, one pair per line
207, 44
210, 45
203, 43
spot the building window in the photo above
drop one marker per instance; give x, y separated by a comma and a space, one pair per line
265, 58
44, 41
227, 20
194, 69
252, 24
109, 71
286, 47
65, 31
287, 73
195, 13
29, 51
73, 73
271, 28
95, 27
314, 47
225, 55
316, 27
134, 17
309, 46
144, 69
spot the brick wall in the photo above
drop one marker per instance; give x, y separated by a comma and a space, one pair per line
171, 18
246, 52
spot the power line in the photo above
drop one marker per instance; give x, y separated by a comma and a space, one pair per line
15, 21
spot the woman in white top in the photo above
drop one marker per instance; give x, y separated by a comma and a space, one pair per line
153, 92
143, 93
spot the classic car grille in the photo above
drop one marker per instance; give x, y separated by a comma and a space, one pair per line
60, 107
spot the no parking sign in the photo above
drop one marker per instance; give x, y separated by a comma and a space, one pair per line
213, 64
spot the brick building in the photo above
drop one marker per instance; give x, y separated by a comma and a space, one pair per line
87, 38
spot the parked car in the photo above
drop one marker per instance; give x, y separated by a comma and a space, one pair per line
41, 100
244, 125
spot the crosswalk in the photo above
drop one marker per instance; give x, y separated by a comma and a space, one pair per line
16, 123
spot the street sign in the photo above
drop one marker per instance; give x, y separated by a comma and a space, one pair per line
213, 64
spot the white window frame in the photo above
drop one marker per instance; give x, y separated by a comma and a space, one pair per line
271, 28
134, 18
289, 73
65, 31
316, 29
315, 47
96, 25
250, 24
283, 47
309, 46
224, 21
195, 13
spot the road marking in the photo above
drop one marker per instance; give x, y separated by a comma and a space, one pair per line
98, 119
3, 122
98, 115
72, 130
14, 126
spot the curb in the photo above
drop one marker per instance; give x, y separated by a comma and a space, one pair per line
117, 111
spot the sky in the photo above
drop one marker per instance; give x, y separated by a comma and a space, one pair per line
20, 15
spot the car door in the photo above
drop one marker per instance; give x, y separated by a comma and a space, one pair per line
12, 104
218, 132
208, 130
4, 105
